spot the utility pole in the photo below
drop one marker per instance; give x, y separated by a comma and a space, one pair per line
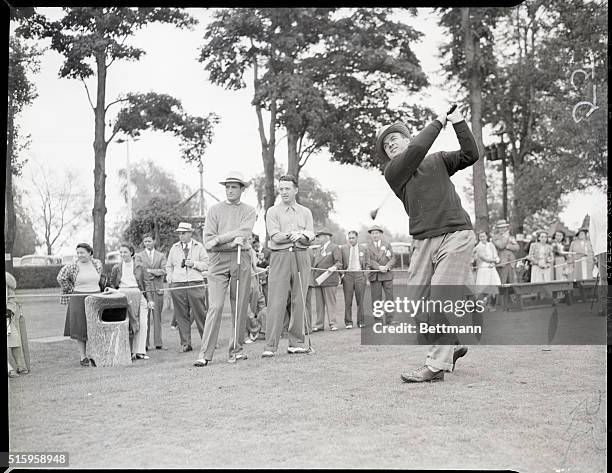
128, 174
202, 204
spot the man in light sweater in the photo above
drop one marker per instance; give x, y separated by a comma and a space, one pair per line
443, 239
187, 260
229, 226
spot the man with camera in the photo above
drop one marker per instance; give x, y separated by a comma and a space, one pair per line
187, 260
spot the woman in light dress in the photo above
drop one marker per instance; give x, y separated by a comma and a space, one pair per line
582, 257
487, 277
541, 258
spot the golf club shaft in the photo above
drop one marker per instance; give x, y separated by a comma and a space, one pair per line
237, 298
297, 263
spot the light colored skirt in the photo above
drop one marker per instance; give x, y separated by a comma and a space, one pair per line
487, 280
541, 274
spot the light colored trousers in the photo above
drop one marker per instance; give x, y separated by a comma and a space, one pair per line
223, 271
287, 270
138, 305
441, 261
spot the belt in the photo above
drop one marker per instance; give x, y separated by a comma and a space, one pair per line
292, 248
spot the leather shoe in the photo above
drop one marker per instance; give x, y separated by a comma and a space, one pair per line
458, 354
160, 348
186, 348
201, 362
422, 375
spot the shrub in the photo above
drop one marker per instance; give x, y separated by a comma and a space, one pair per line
38, 277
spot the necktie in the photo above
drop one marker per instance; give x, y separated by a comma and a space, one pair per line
186, 250
353, 259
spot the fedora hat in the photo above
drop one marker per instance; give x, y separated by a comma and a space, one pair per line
397, 127
502, 224
184, 227
375, 227
324, 231
234, 176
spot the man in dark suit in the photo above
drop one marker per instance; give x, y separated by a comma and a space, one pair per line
154, 263
380, 258
329, 259
354, 260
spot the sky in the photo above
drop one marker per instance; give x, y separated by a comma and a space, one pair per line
60, 122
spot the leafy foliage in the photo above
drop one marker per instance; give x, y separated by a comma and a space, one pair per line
161, 218
310, 194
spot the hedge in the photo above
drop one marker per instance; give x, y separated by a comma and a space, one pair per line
38, 277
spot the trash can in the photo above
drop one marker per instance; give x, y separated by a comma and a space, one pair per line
108, 340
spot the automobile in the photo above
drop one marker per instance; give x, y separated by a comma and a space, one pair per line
402, 249
39, 260
67, 259
112, 257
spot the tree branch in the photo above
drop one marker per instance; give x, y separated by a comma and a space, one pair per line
88, 96
114, 102
113, 134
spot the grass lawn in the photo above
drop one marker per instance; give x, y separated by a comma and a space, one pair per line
505, 407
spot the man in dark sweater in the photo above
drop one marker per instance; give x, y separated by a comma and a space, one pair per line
443, 239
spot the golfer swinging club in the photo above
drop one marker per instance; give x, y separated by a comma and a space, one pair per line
443, 239
228, 226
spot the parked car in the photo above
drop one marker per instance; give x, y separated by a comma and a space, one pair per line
39, 260
402, 249
67, 259
112, 257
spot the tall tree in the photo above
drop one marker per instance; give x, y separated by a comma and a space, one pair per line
59, 206
149, 180
532, 96
319, 200
324, 74
28, 240
469, 62
91, 39
23, 61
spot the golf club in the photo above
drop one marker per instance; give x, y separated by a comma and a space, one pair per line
237, 299
374, 213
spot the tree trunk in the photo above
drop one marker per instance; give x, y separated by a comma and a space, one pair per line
518, 215
481, 209
99, 209
10, 224
292, 154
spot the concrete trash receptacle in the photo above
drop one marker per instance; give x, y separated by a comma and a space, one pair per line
108, 339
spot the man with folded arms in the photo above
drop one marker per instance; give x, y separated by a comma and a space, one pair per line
187, 260
229, 225
290, 228
443, 238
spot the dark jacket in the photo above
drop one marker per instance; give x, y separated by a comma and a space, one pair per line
422, 182
139, 272
378, 257
363, 255
325, 258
